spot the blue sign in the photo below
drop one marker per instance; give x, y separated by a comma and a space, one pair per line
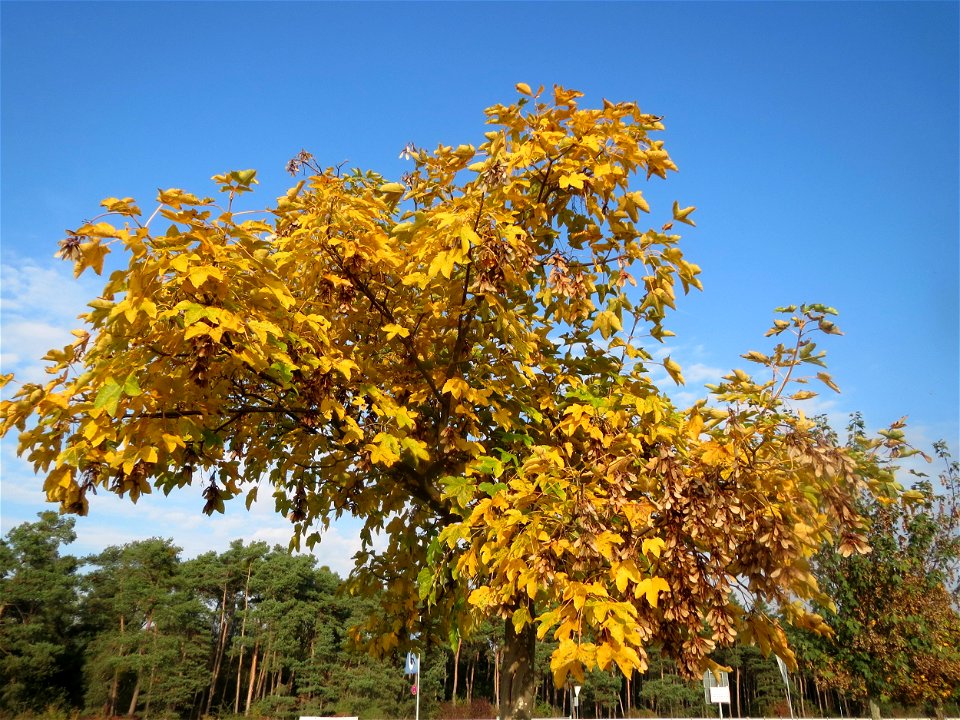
413, 664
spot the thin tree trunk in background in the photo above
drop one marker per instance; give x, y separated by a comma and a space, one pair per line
115, 685
136, 688
253, 675
218, 655
629, 695
243, 634
456, 670
473, 670
153, 675
313, 654
135, 699
496, 677
236, 697
264, 663
736, 685
802, 683
110, 708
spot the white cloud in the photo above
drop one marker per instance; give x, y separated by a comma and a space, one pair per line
699, 373
116, 521
39, 304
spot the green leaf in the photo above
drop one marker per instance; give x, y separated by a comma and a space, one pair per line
131, 387
488, 465
109, 397
425, 581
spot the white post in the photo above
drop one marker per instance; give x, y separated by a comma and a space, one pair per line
418, 686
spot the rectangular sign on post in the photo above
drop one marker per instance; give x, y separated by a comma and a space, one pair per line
720, 694
412, 665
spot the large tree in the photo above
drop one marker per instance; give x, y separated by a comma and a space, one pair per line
465, 359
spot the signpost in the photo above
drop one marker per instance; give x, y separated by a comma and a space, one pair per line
412, 667
716, 689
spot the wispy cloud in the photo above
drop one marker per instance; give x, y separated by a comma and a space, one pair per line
116, 521
39, 304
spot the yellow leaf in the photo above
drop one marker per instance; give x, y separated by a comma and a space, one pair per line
651, 587
562, 659
467, 238
521, 616
639, 201
393, 330
574, 180
480, 597
455, 386
674, 370
604, 655
199, 275
828, 381
392, 188
715, 454
524, 89
680, 214
172, 442
653, 546
93, 253
442, 264
628, 661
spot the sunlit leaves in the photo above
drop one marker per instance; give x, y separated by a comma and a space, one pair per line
457, 358
683, 214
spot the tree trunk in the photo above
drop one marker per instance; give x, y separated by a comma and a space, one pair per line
518, 681
221, 648
629, 710
874, 708
243, 634
153, 675
816, 687
802, 684
253, 676
110, 706
135, 699
456, 670
496, 676
473, 668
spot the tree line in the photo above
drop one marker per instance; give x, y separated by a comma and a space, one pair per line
256, 631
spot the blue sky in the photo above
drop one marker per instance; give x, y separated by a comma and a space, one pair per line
819, 142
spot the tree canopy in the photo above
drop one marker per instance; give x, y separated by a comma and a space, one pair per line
464, 359
896, 629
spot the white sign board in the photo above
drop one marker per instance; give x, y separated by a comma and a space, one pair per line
711, 681
720, 694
